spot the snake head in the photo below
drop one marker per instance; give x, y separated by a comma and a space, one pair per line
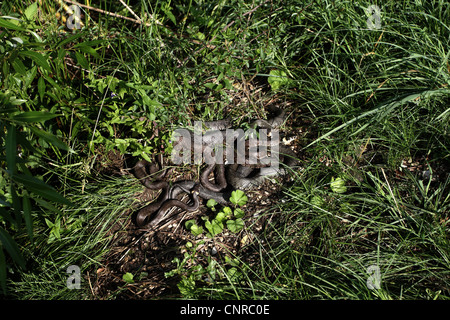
196, 189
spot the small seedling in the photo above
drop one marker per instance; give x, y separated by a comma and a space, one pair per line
338, 185
278, 79
235, 225
128, 277
238, 197
226, 216
193, 227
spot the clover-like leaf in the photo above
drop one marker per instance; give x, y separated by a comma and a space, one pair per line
214, 227
238, 197
128, 277
235, 225
221, 216
239, 213
211, 204
277, 79
193, 227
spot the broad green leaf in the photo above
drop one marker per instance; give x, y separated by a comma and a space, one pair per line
11, 149
17, 205
277, 79
72, 38
4, 213
19, 67
196, 230
82, 61
31, 181
170, 15
317, 201
29, 77
11, 247
51, 139
40, 188
51, 195
47, 205
17, 102
49, 223
188, 224
221, 216
211, 203
9, 25
40, 59
128, 277
30, 12
235, 225
239, 213
238, 197
34, 116
214, 227
234, 274
27, 216
89, 50
41, 88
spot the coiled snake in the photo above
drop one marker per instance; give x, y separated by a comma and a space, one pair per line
227, 178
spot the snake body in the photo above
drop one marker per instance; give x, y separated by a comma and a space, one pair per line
227, 177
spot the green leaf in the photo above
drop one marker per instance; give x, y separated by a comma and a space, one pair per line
214, 227
30, 12
11, 247
234, 274
221, 216
11, 149
2, 270
9, 25
128, 277
70, 39
51, 139
317, 201
235, 225
239, 213
49, 223
17, 102
27, 216
6, 215
196, 230
211, 203
277, 79
41, 88
238, 197
227, 210
89, 50
188, 224
40, 188
37, 57
170, 15
34, 116
338, 185
82, 61
19, 67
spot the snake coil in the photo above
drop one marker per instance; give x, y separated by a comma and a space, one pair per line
227, 177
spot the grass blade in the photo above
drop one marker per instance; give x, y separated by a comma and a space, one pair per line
27, 216
11, 246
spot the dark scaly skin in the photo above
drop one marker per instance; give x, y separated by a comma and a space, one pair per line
239, 177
